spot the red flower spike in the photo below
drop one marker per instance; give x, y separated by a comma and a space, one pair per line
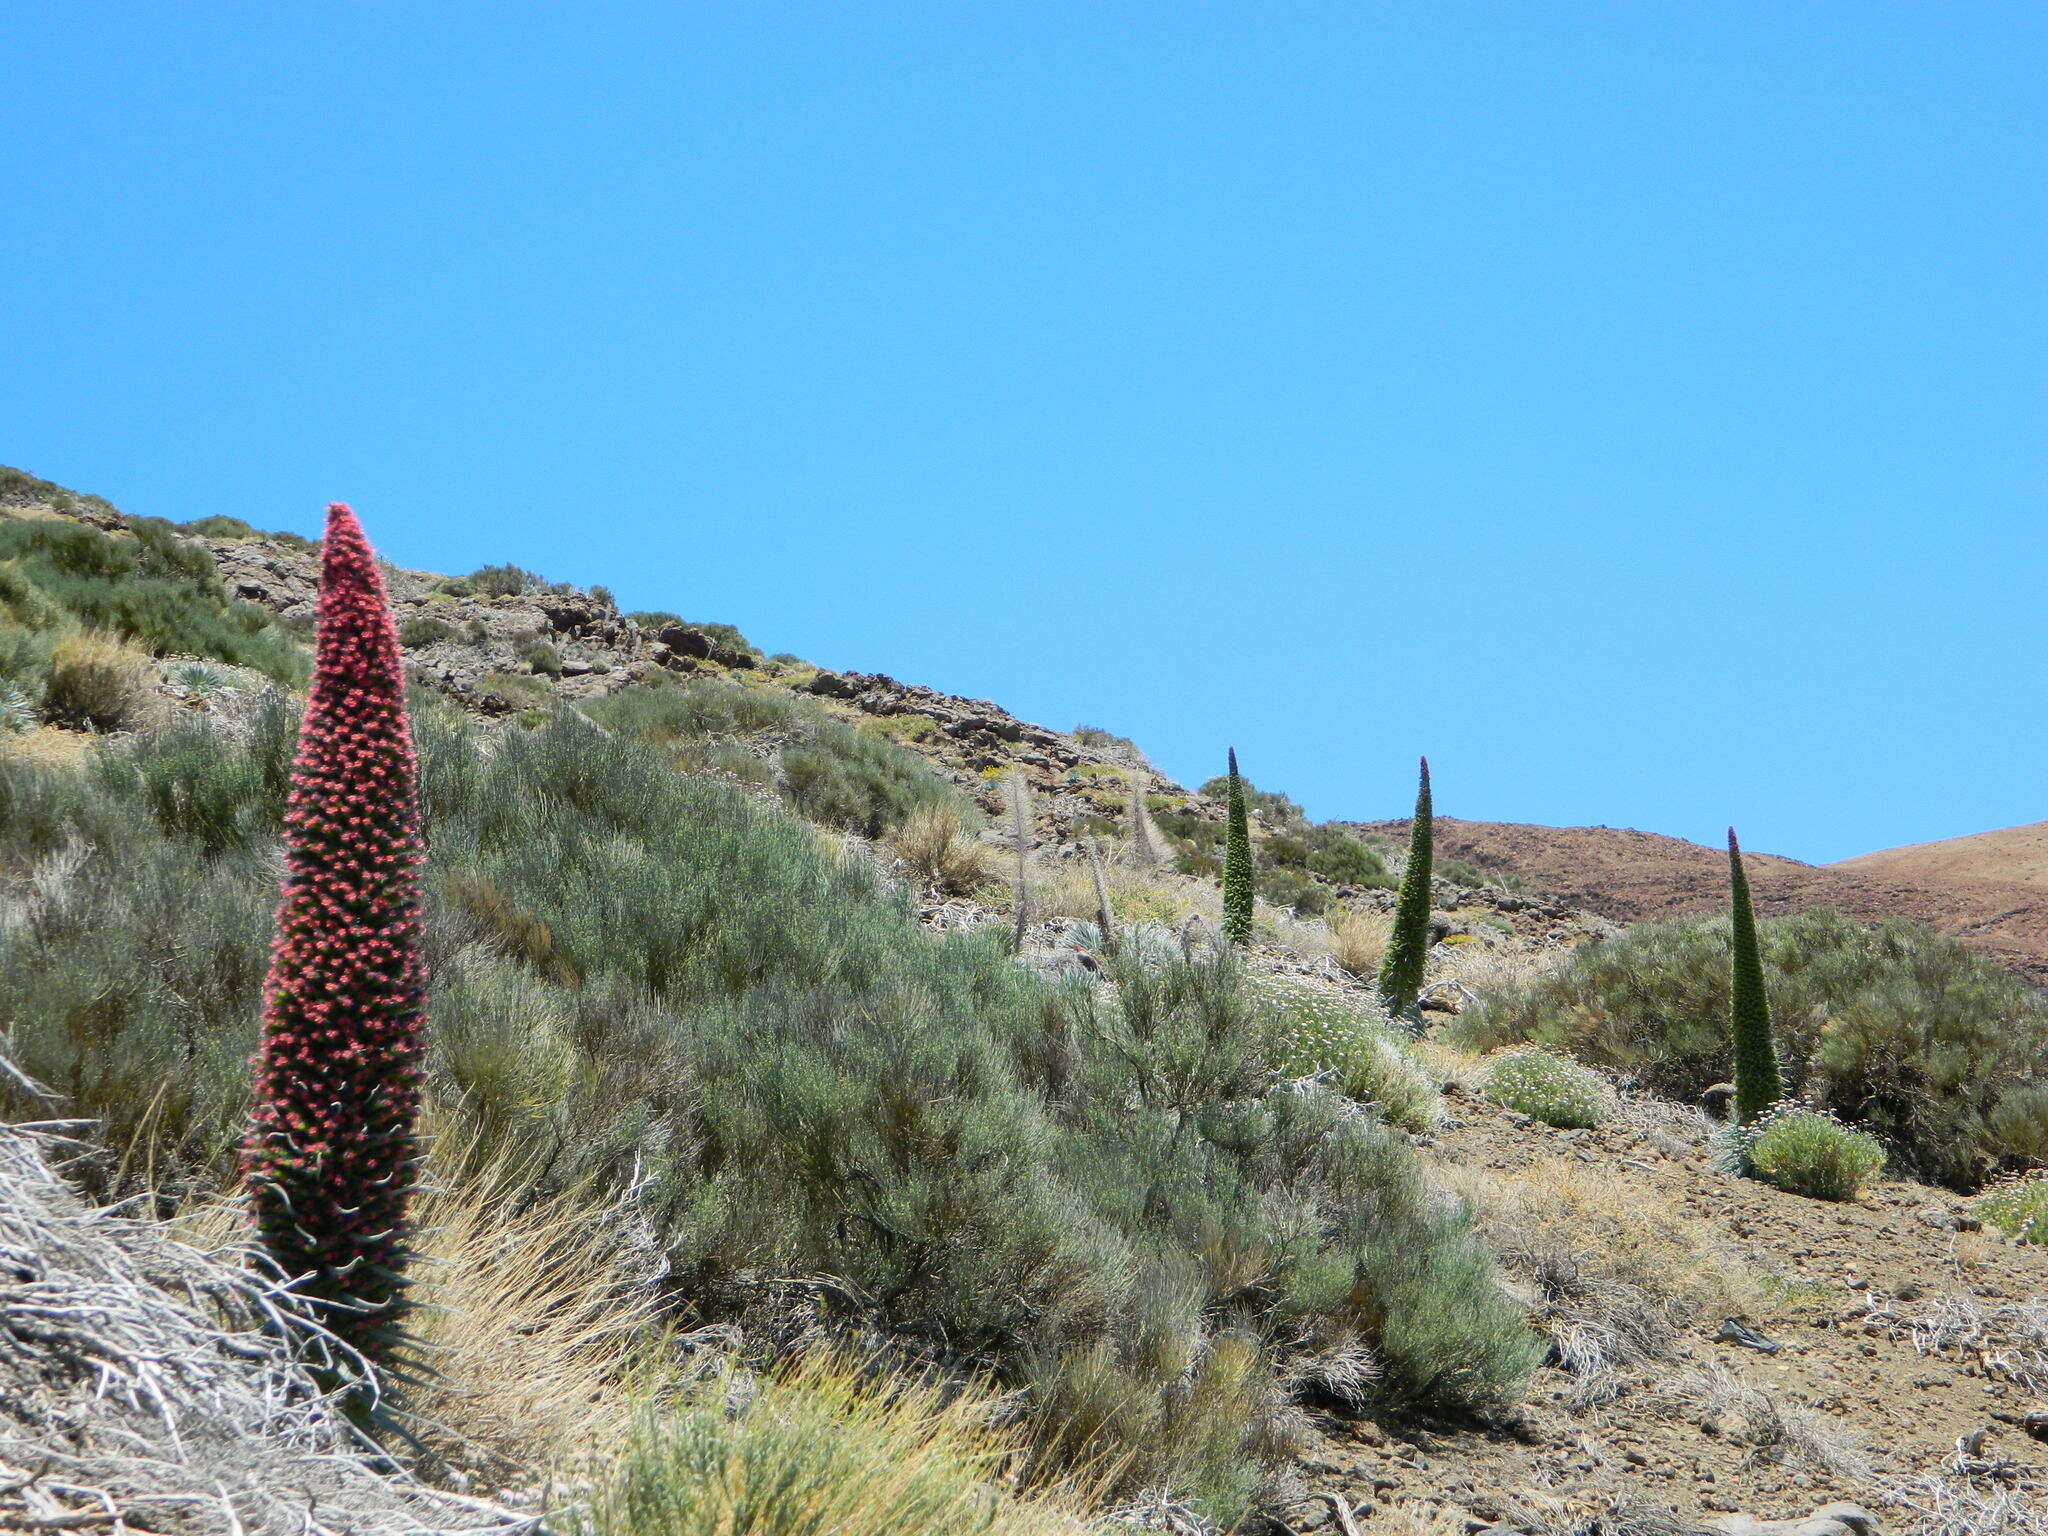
331, 1148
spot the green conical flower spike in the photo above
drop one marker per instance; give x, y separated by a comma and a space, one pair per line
1238, 881
1408, 948
1758, 1084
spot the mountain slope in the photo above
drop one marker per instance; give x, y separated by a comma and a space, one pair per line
2012, 855
1630, 876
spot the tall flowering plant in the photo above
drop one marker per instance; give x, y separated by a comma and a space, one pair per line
332, 1152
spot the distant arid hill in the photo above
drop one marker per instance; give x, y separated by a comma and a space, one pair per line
1631, 876
2016, 855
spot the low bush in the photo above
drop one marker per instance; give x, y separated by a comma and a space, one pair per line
200, 681
20, 485
729, 637
219, 527
901, 727
495, 581
509, 693
1464, 872
1096, 736
1548, 1087
1357, 1046
725, 635
1270, 806
2018, 1208
1936, 1051
17, 713
1280, 886
1809, 1152
542, 658
95, 683
1350, 861
423, 629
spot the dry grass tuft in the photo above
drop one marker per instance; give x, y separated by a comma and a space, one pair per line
540, 1317
47, 744
825, 1447
1359, 938
96, 683
1615, 1274
1743, 1413
2008, 1339
1488, 967
1622, 1514
1956, 1506
940, 853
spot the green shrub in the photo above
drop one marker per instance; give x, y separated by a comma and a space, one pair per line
219, 527
1809, 1152
725, 635
1289, 888
201, 681
1464, 872
422, 629
511, 692
20, 485
1547, 1087
499, 581
1096, 736
1348, 861
147, 585
729, 637
827, 770
1366, 1058
542, 657
2018, 1208
1096, 1193
1273, 808
1928, 1046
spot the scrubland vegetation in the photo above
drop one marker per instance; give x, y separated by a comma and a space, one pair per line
81, 609
655, 977
1910, 1037
756, 1205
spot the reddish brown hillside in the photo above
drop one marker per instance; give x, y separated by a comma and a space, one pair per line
2018, 855
1634, 876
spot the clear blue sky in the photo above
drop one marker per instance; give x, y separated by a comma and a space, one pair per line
1637, 407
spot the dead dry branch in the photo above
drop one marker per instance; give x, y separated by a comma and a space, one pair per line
146, 1386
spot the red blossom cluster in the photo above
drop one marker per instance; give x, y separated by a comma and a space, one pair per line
331, 1154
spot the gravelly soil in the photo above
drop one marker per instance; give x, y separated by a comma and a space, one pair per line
1823, 1269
